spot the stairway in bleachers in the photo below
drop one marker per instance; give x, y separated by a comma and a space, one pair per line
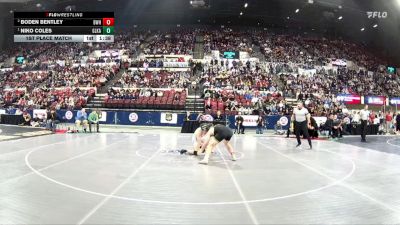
194, 103
111, 82
198, 51
96, 102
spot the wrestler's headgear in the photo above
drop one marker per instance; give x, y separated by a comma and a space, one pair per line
205, 126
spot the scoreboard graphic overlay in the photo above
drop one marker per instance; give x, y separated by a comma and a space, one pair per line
63, 26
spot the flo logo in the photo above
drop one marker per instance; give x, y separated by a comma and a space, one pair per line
376, 14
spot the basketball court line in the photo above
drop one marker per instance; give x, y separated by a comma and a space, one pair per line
332, 179
105, 200
239, 189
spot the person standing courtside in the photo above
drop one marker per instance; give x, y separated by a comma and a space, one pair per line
364, 114
302, 122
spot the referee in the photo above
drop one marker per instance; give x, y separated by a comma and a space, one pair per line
301, 118
364, 114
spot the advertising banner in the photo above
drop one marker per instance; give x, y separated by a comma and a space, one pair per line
349, 99
103, 117
320, 120
394, 101
374, 100
40, 113
170, 118
249, 120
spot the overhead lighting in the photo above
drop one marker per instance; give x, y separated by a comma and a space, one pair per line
340, 17
245, 5
340, 7
375, 26
310, 1
297, 10
241, 13
288, 17
362, 29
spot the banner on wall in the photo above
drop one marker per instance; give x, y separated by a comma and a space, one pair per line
374, 100
170, 118
40, 113
175, 64
349, 99
320, 120
103, 117
284, 121
339, 62
69, 115
307, 72
249, 120
133, 117
394, 101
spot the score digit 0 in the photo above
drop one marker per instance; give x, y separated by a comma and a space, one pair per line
108, 21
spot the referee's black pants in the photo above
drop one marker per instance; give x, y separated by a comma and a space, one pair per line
364, 125
301, 127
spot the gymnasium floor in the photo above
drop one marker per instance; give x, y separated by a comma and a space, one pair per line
140, 178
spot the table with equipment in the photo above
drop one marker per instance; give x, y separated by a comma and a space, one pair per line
11, 119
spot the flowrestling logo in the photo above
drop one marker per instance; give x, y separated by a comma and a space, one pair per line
376, 14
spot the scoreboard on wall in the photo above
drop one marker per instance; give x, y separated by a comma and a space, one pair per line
63, 26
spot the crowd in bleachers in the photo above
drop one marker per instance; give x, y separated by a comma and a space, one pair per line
88, 76
145, 98
246, 86
155, 79
42, 98
245, 102
176, 42
227, 40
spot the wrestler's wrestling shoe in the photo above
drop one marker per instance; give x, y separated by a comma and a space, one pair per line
204, 162
234, 157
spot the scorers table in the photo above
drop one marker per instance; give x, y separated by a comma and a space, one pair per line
64, 26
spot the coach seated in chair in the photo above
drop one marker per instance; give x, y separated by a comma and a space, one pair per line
81, 119
52, 120
328, 125
27, 119
337, 129
219, 118
94, 118
313, 129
